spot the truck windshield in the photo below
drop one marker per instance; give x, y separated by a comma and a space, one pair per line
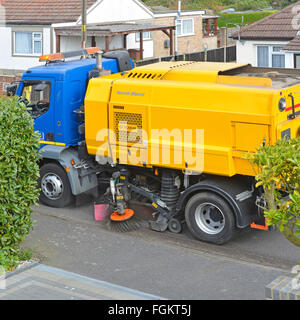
36, 96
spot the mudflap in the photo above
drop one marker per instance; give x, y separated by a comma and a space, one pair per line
260, 225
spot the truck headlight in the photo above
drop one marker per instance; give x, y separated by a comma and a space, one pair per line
282, 104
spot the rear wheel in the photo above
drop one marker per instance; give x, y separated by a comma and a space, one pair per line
55, 187
210, 218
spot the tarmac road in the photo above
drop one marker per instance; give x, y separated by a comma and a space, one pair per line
163, 264
268, 248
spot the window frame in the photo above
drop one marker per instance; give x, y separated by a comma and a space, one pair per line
31, 82
33, 39
268, 57
180, 21
277, 53
137, 36
272, 52
295, 60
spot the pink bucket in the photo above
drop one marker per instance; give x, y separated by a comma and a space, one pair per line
100, 211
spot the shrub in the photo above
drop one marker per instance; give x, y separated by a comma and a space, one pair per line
279, 168
19, 173
247, 18
286, 3
251, 5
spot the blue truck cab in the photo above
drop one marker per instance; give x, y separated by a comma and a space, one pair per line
54, 91
54, 94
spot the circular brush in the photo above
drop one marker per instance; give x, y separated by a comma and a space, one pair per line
123, 223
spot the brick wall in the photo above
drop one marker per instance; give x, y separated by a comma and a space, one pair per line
224, 36
186, 44
7, 77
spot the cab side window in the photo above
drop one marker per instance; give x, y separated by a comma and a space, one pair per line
36, 96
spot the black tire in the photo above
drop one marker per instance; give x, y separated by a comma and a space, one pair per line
210, 218
55, 186
174, 226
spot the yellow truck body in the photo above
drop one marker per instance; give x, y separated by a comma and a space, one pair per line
236, 106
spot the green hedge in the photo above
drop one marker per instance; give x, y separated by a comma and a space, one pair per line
279, 165
19, 173
249, 17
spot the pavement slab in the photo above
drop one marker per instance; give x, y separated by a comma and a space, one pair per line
42, 282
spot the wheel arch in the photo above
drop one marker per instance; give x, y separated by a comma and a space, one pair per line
81, 179
44, 161
243, 211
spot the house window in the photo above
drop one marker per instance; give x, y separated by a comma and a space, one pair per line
263, 56
146, 36
297, 61
210, 27
205, 28
278, 58
28, 43
270, 56
185, 27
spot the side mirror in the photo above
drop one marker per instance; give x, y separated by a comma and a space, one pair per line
11, 90
40, 87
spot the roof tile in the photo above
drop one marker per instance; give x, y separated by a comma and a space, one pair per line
276, 26
294, 45
43, 11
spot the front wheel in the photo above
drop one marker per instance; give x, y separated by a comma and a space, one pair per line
55, 187
210, 218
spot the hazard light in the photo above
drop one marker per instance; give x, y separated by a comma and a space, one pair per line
61, 56
52, 57
92, 50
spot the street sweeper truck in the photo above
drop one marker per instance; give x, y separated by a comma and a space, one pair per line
173, 135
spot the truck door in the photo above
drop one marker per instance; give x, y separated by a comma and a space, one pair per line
38, 95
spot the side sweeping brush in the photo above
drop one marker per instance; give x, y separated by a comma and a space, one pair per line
123, 223
115, 202
114, 221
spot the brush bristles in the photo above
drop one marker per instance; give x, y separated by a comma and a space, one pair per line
126, 226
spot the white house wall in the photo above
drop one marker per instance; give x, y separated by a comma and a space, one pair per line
107, 11
148, 45
68, 43
115, 11
247, 52
11, 62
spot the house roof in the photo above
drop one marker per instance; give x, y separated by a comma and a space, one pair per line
293, 45
277, 26
210, 16
45, 12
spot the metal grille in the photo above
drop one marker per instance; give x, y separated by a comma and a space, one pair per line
145, 75
128, 123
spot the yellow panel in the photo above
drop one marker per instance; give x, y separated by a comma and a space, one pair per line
235, 115
249, 136
96, 113
248, 81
